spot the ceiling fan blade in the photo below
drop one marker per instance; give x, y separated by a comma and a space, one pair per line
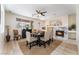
43, 15
37, 11
44, 12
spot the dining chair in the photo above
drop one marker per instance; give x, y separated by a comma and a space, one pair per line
47, 37
51, 34
30, 41
28, 36
16, 35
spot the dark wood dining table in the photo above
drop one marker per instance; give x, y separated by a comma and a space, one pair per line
39, 42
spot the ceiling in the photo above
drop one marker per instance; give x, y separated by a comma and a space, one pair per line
52, 9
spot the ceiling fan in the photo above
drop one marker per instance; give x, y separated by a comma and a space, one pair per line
40, 12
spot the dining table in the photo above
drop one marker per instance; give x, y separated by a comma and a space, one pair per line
38, 42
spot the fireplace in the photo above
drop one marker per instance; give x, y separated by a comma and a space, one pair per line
60, 33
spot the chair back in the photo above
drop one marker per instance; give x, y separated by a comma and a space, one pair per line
28, 36
15, 32
50, 32
47, 34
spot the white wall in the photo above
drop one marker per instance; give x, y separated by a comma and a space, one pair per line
62, 18
36, 24
77, 22
77, 25
2, 19
2, 29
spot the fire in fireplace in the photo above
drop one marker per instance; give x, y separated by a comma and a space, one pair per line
60, 33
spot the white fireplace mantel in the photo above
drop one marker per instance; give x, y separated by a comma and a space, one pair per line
63, 28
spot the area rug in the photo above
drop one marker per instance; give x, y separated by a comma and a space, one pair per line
35, 50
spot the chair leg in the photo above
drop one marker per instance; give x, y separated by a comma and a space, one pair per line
29, 45
44, 45
16, 38
48, 42
26, 43
52, 40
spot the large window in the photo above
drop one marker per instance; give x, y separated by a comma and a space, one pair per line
21, 23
